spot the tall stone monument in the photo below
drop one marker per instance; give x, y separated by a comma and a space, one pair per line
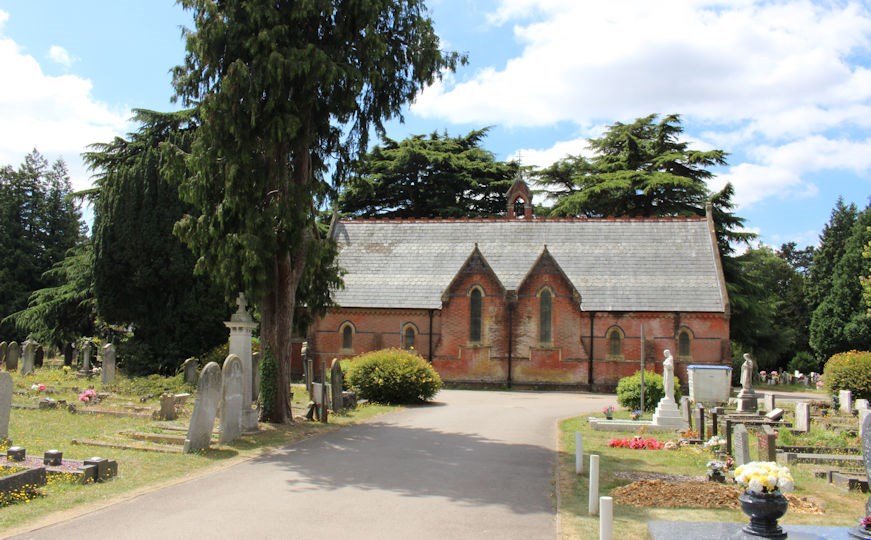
336, 383
748, 401
241, 326
667, 414
28, 359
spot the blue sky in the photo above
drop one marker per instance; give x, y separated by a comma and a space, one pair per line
784, 87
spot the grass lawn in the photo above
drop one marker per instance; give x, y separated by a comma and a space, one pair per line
41, 430
841, 508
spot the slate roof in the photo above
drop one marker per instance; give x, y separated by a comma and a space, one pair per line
616, 265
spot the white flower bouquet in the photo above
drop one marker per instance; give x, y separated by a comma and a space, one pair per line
764, 477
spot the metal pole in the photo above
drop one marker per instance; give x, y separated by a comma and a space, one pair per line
642, 370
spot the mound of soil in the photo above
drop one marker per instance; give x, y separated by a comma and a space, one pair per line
695, 492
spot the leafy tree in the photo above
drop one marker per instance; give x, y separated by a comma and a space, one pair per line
639, 169
39, 222
143, 275
284, 90
57, 315
841, 322
433, 176
866, 278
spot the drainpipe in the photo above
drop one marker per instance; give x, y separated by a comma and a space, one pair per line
592, 346
510, 338
430, 336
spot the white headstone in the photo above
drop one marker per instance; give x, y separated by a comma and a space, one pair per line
769, 401
861, 404
108, 373
231, 410
845, 398
5, 403
862, 414
205, 409
802, 417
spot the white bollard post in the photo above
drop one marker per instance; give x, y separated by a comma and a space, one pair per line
606, 518
594, 485
579, 453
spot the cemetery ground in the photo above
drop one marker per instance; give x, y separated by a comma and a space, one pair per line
127, 433
670, 485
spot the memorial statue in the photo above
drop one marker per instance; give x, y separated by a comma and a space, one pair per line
747, 372
668, 374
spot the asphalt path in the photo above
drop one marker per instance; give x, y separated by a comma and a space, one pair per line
472, 465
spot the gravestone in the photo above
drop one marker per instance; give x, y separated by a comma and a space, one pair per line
5, 404
40, 356
69, 350
108, 371
715, 421
769, 401
774, 414
336, 382
231, 408
766, 440
866, 453
802, 417
28, 357
700, 421
87, 350
740, 444
255, 367
845, 398
667, 414
190, 370
12, 353
686, 408
167, 407
3, 347
205, 409
241, 326
747, 398
861, 404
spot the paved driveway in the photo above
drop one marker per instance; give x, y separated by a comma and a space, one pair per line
474, 465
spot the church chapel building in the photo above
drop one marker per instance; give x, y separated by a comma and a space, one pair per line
519, 301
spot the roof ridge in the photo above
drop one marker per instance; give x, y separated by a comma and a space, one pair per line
502, 219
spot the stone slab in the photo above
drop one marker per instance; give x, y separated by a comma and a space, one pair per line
600, 424
670, 530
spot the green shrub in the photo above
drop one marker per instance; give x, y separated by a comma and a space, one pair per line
393, 376
804, 362
268, 386
849, 371
629, 390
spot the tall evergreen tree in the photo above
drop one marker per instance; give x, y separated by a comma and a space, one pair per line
829, 252
143, 275
39, 222
284, 89
428, 176
841, 322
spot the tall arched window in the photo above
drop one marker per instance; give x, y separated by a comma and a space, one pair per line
408, 336
615, 342
348, 337
684, 340
545, 304
475, 315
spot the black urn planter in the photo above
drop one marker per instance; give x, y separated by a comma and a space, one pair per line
764, 510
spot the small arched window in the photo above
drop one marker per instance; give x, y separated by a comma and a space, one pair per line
684, 340
545, 305
615, 342
408, 337
348, 337
475, 301
519, 208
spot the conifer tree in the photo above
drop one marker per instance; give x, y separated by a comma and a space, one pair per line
284, 91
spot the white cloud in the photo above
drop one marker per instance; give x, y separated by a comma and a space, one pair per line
60, 55
57, 115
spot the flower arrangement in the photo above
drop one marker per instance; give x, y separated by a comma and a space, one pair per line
865, 523
635, 415
38, 388
717, 469
608, 411
669, 445
715, 443
764, 477
88, 395
636, 443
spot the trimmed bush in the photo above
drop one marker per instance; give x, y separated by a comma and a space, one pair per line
629, 390
393, 376
849, 371
803, 362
